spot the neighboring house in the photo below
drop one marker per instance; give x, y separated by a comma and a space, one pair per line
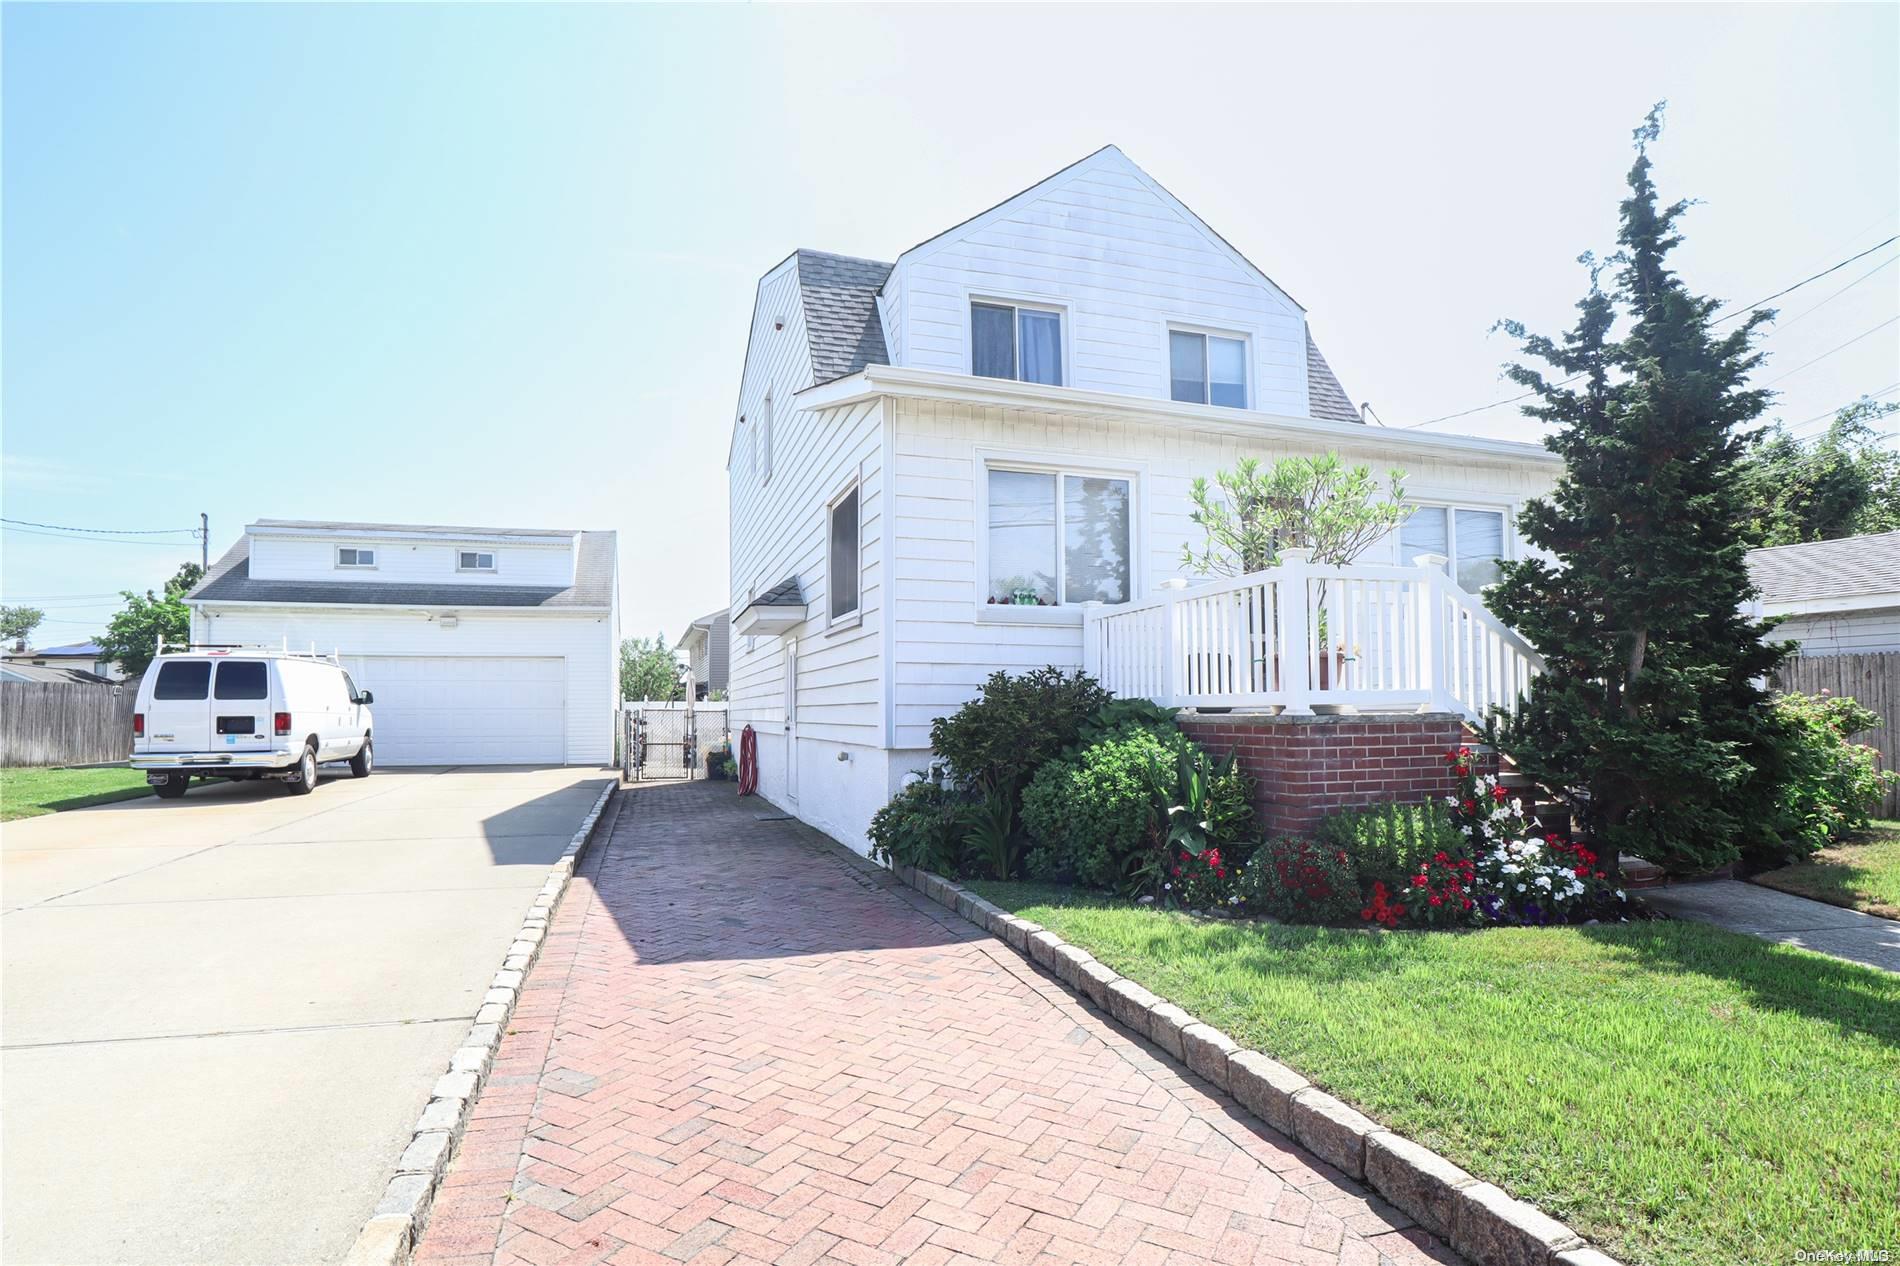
85, 656
706, 644
1840, 597
1011, 413
482, 646
46, 674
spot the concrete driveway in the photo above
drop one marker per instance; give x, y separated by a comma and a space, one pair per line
222, 1014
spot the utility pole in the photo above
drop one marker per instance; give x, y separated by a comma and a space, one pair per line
204, 540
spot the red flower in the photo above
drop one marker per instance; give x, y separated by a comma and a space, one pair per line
1498, 793
1437, 900
1470, 806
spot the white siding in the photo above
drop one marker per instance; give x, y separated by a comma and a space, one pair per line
1844, 633
779, 529
946, 643
1124, 260
414, 562
584, 642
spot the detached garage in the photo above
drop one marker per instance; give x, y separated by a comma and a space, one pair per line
482, 646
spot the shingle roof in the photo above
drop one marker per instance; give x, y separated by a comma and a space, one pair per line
421, 529
77, 650
786, 593
1851, 567
229, 579
841, 321
15, 670
1325, 397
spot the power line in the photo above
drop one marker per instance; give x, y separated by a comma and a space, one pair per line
1782, 325
1830, 351
1804, 281
1498, 404
8, 526
1830, 414
55, 527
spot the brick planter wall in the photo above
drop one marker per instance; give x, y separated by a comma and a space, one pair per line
1304, 768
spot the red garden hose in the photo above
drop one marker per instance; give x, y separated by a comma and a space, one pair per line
748, 761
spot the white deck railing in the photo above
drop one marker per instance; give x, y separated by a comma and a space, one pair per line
1302, 636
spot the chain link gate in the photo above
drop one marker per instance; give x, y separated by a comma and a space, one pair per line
659, 743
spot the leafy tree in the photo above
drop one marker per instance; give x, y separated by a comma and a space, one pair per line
17, 623
1250, 513
132, 636
1843, 483
650, 670
1649, 706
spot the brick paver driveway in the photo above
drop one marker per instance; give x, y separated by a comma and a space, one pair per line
741, 1045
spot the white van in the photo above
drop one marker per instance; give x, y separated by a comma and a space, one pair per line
247, 712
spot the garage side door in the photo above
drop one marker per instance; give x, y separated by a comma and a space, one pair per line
466, 710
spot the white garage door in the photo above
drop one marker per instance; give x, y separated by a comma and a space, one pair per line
464, 710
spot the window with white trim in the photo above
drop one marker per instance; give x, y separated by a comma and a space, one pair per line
841, 579
1057, 538
1472, 539
355, 556
1207, 368
1012, 341
474, 560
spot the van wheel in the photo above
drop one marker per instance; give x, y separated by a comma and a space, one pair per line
173, 787
306, 780
363, 761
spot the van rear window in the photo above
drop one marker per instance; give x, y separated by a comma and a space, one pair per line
183, 679
243, 679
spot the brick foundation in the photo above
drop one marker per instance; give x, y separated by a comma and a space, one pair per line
1304, 768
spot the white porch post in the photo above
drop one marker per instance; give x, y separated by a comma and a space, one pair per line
1296, 638
1434, 647
1173, 645
1091, 641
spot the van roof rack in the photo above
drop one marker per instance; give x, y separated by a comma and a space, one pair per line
282, 651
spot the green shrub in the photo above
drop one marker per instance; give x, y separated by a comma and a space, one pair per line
1120, 714
1385, 843
1108, 816
1829, 786
1302, 881
923, 826
1014, 725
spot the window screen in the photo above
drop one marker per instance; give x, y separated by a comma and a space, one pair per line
844, 556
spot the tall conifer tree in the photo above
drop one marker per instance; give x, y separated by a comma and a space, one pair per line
1649, 705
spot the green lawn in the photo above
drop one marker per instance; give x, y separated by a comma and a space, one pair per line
1675, 1092
27, 793
1863, 874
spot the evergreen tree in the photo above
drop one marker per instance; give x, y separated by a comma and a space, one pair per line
1648, 712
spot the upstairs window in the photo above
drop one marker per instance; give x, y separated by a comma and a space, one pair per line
1016, 342
1473, 541
1057, 538
474, 560
841, 587
352, 556
1207, 369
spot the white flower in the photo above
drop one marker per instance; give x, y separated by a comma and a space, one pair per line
1167, 887
1520, 887
1619, 894
1543, 881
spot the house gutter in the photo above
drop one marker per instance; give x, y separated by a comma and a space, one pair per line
922, 384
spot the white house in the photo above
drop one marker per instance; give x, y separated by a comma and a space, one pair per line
936, 462
1840, 597
482, 646
706, 642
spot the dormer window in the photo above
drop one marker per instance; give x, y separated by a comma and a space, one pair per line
1206, 368
474, 560
355, 556
1012, 341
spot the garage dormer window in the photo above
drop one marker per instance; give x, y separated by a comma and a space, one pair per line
474, 560
354, 556
1012, 341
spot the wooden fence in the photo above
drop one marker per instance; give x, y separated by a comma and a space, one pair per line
46, 723
1873, 680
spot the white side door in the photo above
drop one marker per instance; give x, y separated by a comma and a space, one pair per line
791, 720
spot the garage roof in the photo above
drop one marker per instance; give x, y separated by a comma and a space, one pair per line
229, 579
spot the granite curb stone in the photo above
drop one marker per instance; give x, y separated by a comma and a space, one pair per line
1478, 1219
396, 1224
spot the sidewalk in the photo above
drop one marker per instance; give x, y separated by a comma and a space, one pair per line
1781, 916
743, 1045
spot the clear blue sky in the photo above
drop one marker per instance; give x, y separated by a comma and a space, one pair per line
494, 264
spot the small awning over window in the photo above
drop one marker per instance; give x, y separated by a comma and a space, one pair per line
778, 610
